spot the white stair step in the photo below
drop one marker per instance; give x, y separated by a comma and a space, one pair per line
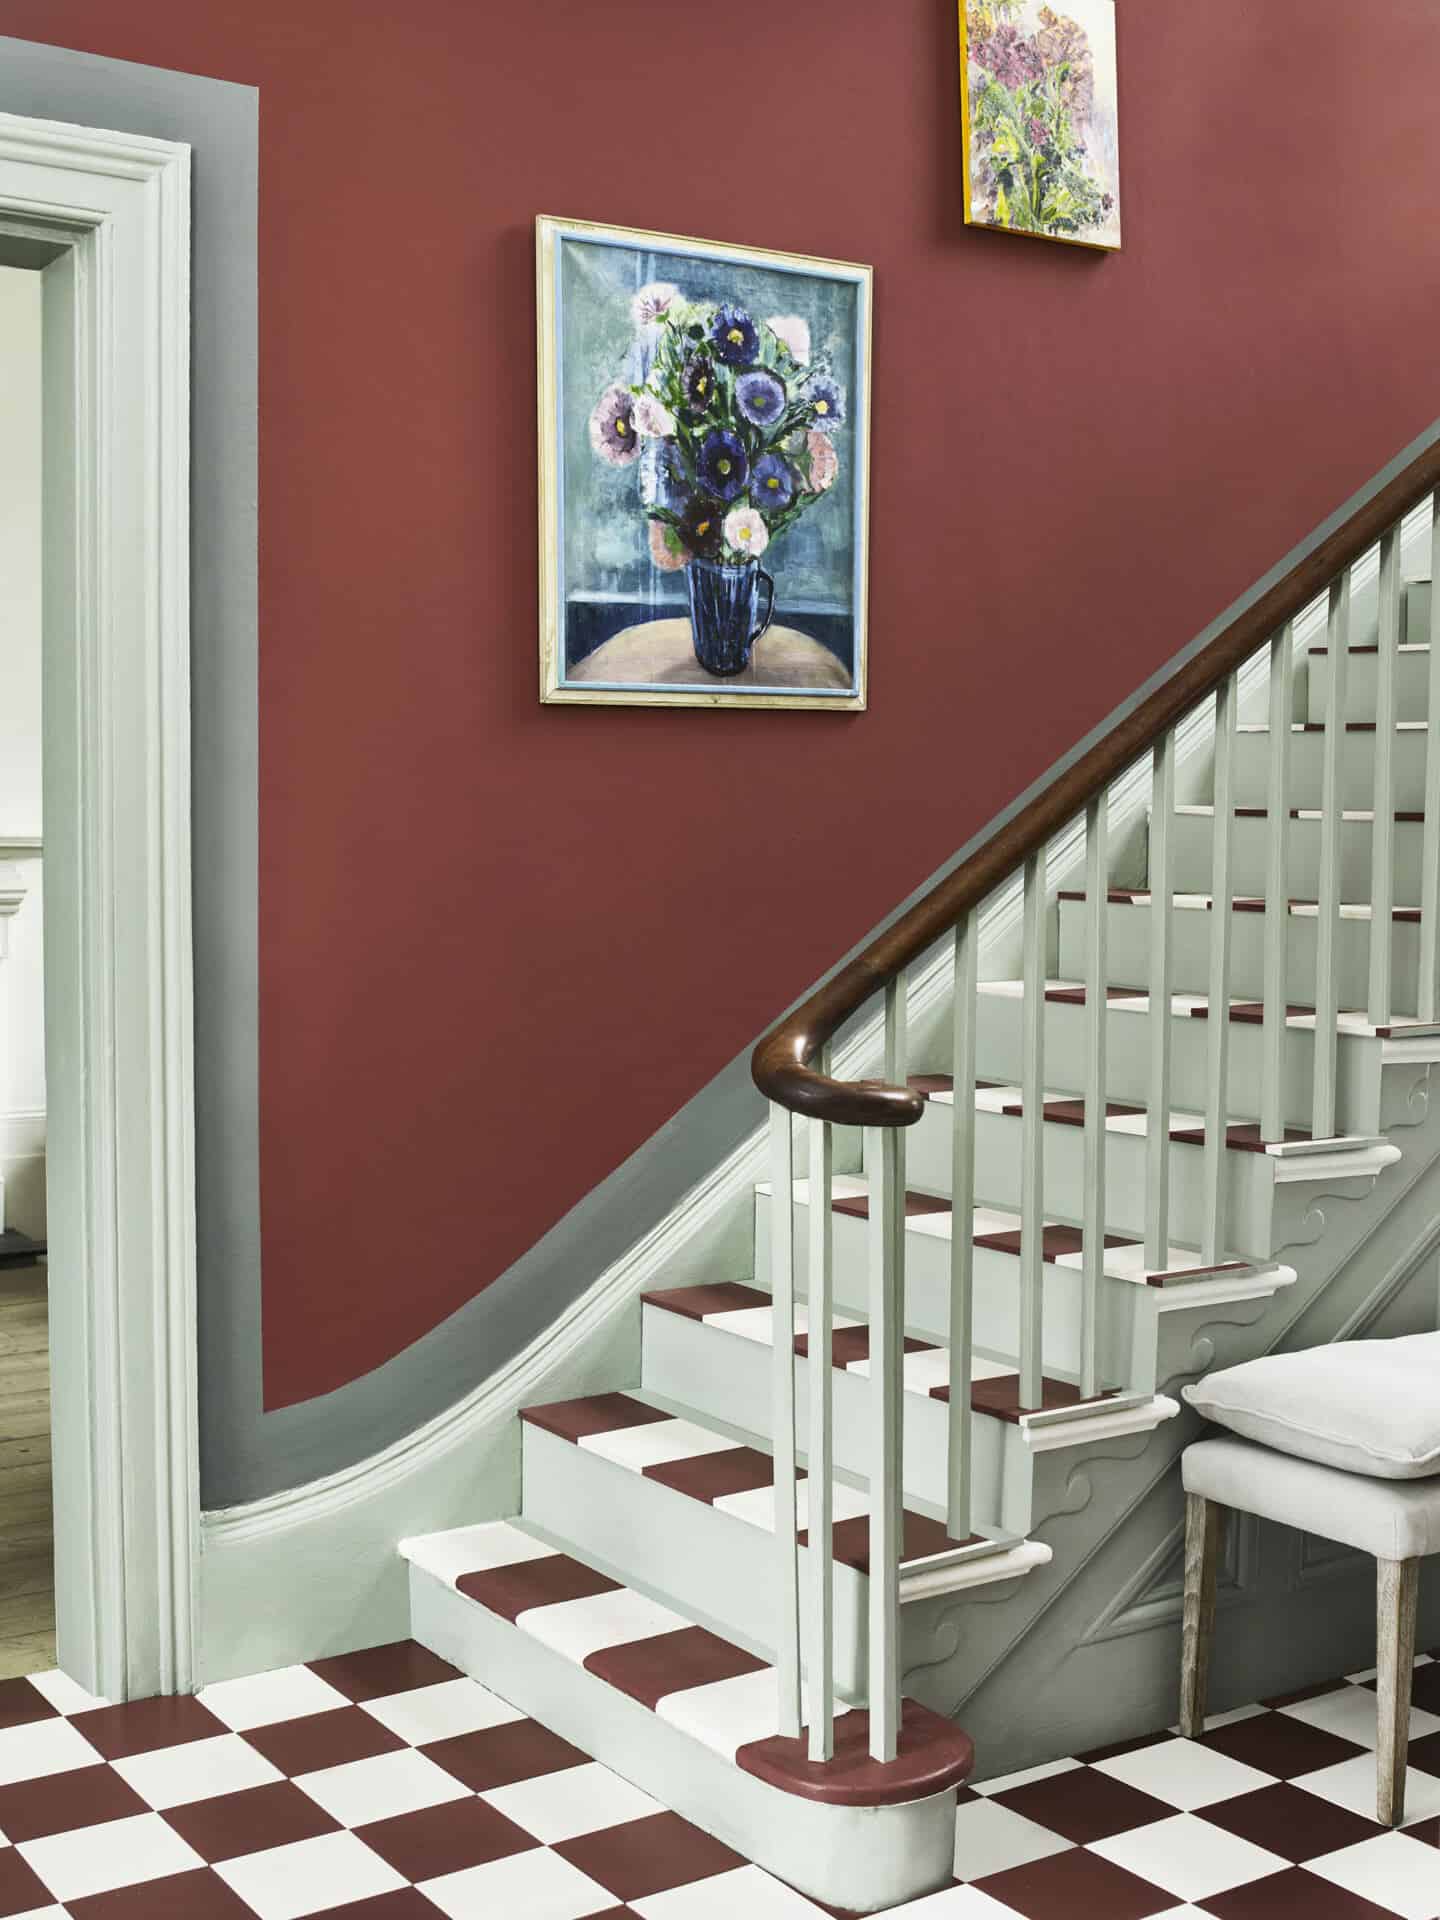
1412, 682
1307, 749
1193, 831
689, 1717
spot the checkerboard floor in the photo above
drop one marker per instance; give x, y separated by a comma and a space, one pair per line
385, 1786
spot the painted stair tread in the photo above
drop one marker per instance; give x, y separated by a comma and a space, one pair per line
1373, 646
1364, 816
1241, 903
1191, 1006
717, 1693
997, 1230
1122, 1117
1318, 726
724, 1473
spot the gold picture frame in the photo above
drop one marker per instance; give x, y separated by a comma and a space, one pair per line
1045, 83
602, 497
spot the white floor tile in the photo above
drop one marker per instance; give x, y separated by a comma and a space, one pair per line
1003, 1782
64, 1694
289, 1693
1391, 1870
43, 1747
438, 1712
176, 1776
1189, 1857
495, 1543
526, 1886
309, 1876
955, 1903
558, 1806
727, 1714
655, 1443
990, 1838
578, 1628
1184, 1773
117, 1853
1351, 1712
379, 1788
746, 1892
1351, 1784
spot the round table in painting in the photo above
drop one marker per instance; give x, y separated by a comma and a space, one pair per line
661, 653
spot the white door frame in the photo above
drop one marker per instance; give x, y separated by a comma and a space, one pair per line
107, 218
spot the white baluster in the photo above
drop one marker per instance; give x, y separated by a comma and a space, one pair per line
1032, 1140
1428, 1005
782, 1288
1217, 1060
1277, 903
885, 1157
962, 1224
820, 1669
1157, 1093
1332, 801
1382, 854
1097, 886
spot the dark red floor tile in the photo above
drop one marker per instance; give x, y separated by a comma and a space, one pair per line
20, 1704
1083, 1805
1114, 1750
1425, 1688
641, 1857
445, 1839
201, 1895
378, 1671
1297, 1825
322, 1740
1076, 1886
143, 1726
499, 1756
403, 1904
249, 1822
647, 1670
21, 1888
1294, 1895
60, 1802
1280, 1744
1305, 1693
594, 1413
513, 1590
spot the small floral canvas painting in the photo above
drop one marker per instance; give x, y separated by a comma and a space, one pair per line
1038, 94
703, 451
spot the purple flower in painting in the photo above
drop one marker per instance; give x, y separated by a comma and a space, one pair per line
827, 403
701, 529
672, 487
1038, 132
612, 427
760, 397
721, 467
1012, 59
698, 384
733, 336
772, 483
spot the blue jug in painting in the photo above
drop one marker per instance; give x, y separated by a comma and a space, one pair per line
725, 616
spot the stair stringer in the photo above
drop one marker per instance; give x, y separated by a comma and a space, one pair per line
1086, 1650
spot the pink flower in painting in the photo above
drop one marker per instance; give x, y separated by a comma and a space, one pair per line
652, 417
746, 532
612, 427
667, 549
652, 303
824, 462
792, 330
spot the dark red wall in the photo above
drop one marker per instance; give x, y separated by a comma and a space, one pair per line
501, 944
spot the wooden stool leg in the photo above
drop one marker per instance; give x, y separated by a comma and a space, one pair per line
1396, 1588
1204, 1532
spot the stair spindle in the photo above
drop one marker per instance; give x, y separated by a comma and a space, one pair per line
962, 1228
1032, 1139
782, 1288
1217, 1049
820, 1668
1332, 802
1277, 904
885, 1158
1097, 886
1382, 856
1157, 1096
1428, 1002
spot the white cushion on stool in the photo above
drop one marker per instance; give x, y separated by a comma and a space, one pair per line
1393, 1520
1370, 1406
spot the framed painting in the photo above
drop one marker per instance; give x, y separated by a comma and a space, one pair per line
1038, 100
704, 450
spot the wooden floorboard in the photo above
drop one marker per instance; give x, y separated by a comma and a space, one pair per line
27, 1578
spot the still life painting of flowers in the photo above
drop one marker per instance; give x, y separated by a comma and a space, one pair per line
1038, 93
703, 436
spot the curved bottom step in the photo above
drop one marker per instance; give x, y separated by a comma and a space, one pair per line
690, 1718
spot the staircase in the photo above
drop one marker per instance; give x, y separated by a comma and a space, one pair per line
848, 1488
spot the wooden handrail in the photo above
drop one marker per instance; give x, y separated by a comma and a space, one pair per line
781, 1063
